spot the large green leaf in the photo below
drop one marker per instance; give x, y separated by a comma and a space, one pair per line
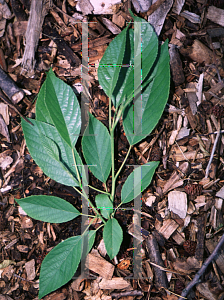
112, 236
52, 154
48, 209
111, 63
137, 60
57, 105
143, 55
154, 98
104, 204
60, 264
138, 181
96, 147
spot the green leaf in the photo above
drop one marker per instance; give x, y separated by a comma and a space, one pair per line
112, 236
57, 105
60, 264
50, 147
96, 147
110, 64
52, 154
154, 98
88, 237
48, 209
141, 48
104, 204
91, 236
138, 181
147, 38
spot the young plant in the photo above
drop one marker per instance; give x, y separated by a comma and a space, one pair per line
133, 64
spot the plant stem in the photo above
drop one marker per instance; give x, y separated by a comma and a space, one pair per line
113, 167
110, 113
89, 225
90, 216
116, 119
76, 168
91, 204
93, 188
124, 161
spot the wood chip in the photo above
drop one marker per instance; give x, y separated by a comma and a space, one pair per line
157, 18
111, 26
177, 203
114, 283
216, 15
168, 228
30, 269
178, 237
100, 266
175, 177
192, 98
23, 248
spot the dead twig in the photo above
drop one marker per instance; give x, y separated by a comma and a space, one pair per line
213, 150
13, 106
196, 279
155, 257
125, 294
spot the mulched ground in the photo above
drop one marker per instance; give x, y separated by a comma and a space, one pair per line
182, 141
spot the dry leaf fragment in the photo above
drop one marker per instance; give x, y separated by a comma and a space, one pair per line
8, 272
124, 264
